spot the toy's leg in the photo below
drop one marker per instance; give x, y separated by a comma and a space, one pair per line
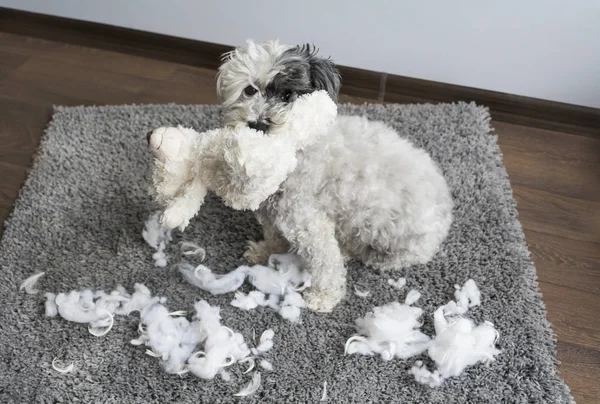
184, 206
258, 253
314, 240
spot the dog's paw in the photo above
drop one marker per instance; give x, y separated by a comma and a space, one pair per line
257, 253
323, 300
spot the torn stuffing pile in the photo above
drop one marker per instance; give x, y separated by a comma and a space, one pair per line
203, 346
458, 343
157, 237
278, 284
393, 331
97, 309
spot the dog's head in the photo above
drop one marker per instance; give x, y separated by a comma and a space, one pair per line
257, 83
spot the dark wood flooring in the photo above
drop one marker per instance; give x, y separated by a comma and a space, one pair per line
555, 176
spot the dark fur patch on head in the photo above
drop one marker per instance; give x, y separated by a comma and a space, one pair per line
304, 72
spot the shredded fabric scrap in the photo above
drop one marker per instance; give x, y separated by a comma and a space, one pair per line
66, 369
251, 388
324, 395
188, 248
157, 237
361, 293
29, 284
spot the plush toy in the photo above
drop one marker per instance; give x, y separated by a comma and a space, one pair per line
241, 165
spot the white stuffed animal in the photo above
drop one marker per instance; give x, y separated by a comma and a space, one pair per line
241, 165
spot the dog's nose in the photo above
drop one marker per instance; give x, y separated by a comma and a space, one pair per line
259, 125
148, 135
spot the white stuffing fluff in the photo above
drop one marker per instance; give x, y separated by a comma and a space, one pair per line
265, 343
202, 346
458, 343
188, 248
324, 395
278, 284
251, 388
466, 297
157, 237
392, 330
203, 278
252, 364
29, 284
361, 293
398, 284
266, 365
65, 369
97, 308
412, 297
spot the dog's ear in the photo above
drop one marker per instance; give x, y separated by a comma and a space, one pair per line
324, 75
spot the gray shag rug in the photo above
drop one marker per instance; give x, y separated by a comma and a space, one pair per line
80, 215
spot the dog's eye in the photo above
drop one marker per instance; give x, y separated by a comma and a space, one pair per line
286, 95
250, 91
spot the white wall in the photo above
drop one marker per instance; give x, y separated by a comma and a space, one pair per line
547, 49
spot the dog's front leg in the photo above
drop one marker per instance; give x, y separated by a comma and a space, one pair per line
314, 240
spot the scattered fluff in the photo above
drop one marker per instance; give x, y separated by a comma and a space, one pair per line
458, 343
203, 278
202, 346
324, 395
361, 293
222, 346
265, 343
97, 308
278, 284
66, 369
392, 330
398, 284
412, 297
266, 365
29, 284
251, 388
466, 297
157, 237
188, 248
251, 366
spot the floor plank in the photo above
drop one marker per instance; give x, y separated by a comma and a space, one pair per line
555, 175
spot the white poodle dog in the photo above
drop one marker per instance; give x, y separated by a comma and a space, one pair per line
359, 191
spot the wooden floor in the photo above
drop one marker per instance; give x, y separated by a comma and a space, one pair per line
555, 176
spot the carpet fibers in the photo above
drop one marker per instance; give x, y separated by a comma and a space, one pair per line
80, 215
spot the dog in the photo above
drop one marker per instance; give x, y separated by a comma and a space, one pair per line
360, 192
